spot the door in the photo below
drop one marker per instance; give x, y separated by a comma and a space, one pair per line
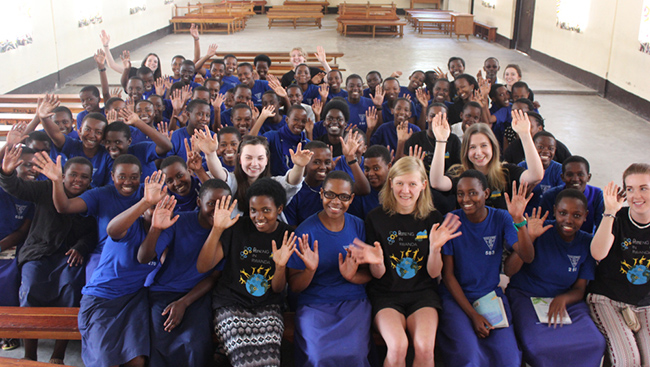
524, 25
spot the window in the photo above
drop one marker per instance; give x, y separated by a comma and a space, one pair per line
644, 28
15, 25
573, 15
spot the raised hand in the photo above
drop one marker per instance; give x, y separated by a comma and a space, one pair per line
308, 256
177, 100
105, 38
378, 97
254, 110
440, 127
371, 118
176, 311
363, 253
485, 86
162, 215
275, 84
301, 157
186, 93
613, 198
281, 255
348, 266
423, 97
320, 54
12, 159
17, 134
198, 78
111, 116
517, 205
223, 213
404, 132
46, 106
396, 74
43, 164
129, 117
163, 128
417, 152
154, 189
520, 122
309, 127
316, 79
194, 31
100, 58
194, 159
317, 107
126, 59
218, 101
116, 92
212, 50
159, 86
268, 111
324, 91
205, 142
74, 257
440, 74
535, 224
441, 233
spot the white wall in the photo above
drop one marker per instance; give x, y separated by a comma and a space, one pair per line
462, 6
58, 42
501, 16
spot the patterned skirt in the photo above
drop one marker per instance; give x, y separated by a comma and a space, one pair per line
250, 337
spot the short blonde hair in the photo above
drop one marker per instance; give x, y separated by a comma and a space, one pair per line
299, 49
404, 166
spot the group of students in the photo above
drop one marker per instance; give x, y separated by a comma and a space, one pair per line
209, 200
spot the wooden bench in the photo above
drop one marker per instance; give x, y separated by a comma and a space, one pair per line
294, 15
485, 31
211, 17
39, 323
440, 23
324, 3
369, 19
33, 98
256, 3
31, 107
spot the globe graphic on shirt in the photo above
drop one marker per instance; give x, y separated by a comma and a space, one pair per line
257, 285
638, 275
406, 268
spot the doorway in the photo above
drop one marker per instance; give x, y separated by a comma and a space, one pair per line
523, 34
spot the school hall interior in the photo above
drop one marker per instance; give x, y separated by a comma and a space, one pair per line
587, 61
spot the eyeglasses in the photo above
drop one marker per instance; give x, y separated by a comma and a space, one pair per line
330, 195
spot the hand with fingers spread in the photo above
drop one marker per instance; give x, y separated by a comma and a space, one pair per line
417, 152
404, 132
300, 157
159, 86
177, 100
348, 266
44, 165
371, 118
12, 159
17, 134
442, 233
186, 93
46, 106
318, 78
613, 198
440, 127
309, 128
218, 101
317, 107
520, 122
74, 257
100, 58
163, 216
535, 225
350, 145
105, 38
126, 59
275, 84
378, 97
154, 188
440, 74
223, 209
268, 111
365, 253
212, 50
116, 92
308, 256
129, 117
194, 159
520, 198
423, 97
484, 87
320, 54
163, 128
205, 141
194, 31
111, 116
282, 255
324, 91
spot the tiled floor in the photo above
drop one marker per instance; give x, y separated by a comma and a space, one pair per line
608, 136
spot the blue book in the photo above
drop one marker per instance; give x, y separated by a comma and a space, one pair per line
491, 307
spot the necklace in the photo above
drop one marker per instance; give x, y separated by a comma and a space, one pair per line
629, 215
314, 191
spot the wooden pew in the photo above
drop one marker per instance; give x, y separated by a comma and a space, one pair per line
31, 107
211, 17
294, 15
39, 323
256, 3
485, 31
369, 19
33, 98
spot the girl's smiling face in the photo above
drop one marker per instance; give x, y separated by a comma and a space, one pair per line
637, 191
253, 160
152, 62
480, 150
511, 76
471, 195
570, 214
264, 213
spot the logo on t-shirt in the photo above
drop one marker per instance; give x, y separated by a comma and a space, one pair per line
408, 264
626, 244
245, 252
637, 273
258, 281
574, 259
421, 236
20, 211
391, 237
489, 241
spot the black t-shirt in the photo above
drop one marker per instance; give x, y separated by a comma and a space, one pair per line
405, 243
453, 111
288, 78
249, 268
515, 152
428, 144
497, 199
337, 150
624, 275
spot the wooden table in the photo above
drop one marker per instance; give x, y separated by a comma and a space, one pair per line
395, 27
462, 24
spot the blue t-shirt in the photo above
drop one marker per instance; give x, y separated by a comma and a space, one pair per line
227, 167
342, 93
102, 161
303, 205
552, 178
387, 114
342, 165
227, 83
319, 129
105, 203
328, 285
269, 125
137, 136
477, 252
386, 134
366, 93
358, 112
119, 273
13, 213
187, 203
146, 154
557, 265
81, 115
595, 201
280, 141
184, 241
258, 90
404, 91
363, 204
310, 94
225, 117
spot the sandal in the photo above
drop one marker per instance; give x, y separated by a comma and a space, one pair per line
56, 361
10, 344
